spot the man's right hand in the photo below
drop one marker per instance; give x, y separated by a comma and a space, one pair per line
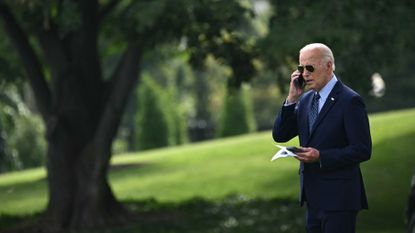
295, 92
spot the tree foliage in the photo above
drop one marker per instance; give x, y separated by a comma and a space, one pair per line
22, 144
365, 36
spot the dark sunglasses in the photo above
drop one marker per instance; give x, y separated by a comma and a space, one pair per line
309, 68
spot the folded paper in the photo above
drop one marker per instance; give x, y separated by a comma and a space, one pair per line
282, 153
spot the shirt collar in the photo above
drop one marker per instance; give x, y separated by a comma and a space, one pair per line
325, 91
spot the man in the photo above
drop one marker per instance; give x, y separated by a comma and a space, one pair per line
333, 129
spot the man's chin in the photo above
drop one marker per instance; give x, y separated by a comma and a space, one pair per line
310, 86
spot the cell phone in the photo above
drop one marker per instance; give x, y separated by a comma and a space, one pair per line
299, 82
294, 149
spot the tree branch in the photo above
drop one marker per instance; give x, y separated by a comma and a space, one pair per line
30, 61
54, 51
123, 82
89, 36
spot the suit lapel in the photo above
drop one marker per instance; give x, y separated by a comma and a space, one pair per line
330, 101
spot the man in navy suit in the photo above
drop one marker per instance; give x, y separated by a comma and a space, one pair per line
333, 129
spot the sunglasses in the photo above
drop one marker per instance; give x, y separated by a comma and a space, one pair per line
309, 68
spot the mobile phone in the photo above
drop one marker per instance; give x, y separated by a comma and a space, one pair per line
294, 149
299, 82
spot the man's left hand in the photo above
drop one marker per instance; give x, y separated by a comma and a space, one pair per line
308, 155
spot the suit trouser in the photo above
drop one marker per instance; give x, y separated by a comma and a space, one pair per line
320, 221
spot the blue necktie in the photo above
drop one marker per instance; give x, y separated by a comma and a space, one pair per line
312, 115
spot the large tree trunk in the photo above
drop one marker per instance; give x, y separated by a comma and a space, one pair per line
80, 135
79, 194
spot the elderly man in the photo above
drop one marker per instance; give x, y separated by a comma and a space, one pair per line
331, 122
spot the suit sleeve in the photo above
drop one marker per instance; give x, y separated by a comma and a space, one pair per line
359, 146
285, 126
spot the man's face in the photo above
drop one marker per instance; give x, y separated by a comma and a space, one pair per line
317, 79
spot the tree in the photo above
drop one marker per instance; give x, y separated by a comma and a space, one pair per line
82, 61
237, 114
152, 124
365, 36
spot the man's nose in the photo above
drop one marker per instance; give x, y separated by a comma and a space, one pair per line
306, 73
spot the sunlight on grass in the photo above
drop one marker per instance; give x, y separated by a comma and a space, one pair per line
211, 170
23, 192
25, 176
215, 169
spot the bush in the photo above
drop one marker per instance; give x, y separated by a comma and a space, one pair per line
27, 142
176, 118
22, 144
237, 115
151, 122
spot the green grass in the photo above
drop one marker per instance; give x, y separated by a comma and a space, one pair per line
210, 170
214, 170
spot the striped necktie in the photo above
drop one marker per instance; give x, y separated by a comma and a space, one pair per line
312, 115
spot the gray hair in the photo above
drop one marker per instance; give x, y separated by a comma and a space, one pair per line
325, 52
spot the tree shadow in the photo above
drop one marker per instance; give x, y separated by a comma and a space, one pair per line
233, 214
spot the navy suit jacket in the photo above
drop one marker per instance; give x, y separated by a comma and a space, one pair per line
341, 133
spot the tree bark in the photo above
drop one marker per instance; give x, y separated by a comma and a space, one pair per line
80, 151
79, 194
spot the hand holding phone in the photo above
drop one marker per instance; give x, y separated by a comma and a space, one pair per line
299, 82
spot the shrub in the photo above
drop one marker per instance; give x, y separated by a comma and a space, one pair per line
176, 118
27, 142
151, 122
22, 144
237, 114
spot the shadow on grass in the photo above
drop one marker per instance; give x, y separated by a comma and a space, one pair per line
234, 214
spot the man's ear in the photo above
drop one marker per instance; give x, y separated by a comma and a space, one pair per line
329, 65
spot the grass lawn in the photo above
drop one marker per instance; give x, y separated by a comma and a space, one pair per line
238, 170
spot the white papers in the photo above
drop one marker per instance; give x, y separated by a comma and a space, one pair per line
282, 153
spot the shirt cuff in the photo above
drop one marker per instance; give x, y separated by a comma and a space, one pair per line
288, 104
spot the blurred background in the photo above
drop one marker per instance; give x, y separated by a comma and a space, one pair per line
198, 71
